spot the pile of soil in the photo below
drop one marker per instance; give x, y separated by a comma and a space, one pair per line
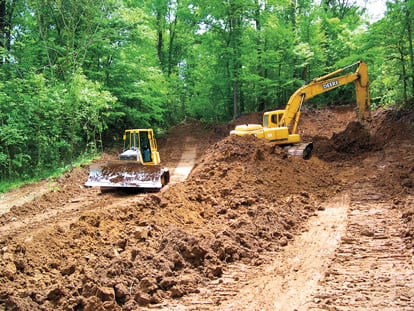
354, 141
243, 198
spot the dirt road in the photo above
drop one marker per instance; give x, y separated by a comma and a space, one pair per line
28, 193
288, 278
250, 228
372, 268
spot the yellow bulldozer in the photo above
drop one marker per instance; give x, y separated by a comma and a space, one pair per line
138, 166
281, 126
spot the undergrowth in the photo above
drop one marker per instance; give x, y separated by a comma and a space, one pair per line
7, 185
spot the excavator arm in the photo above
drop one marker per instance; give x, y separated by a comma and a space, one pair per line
327, 83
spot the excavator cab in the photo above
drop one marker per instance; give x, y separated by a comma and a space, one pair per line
273, 118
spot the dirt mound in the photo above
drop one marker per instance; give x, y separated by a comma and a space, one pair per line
355, 140
324, 122
242, 197
391, 126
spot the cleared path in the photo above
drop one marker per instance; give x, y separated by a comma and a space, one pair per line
186, 163
287, 281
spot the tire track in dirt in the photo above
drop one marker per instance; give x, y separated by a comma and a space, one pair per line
24, 194
286, 280
186, 162
372, 269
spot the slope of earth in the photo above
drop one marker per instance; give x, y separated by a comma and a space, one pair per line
73, 249
124, 253
373, 266
358, 253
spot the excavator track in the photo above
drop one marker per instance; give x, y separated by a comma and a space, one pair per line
303, 150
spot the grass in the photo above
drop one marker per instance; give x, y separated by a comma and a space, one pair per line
7, 185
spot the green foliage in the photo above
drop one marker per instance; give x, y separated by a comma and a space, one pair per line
45, 125
75, 74
91, 106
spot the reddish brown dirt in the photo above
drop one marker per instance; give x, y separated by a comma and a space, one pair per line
76, 249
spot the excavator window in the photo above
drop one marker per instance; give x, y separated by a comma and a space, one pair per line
275, 118
265, 121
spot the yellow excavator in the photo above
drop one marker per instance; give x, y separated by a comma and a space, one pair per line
138, 166
281, 126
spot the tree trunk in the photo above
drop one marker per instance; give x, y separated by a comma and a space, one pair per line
5, 28
235, 99
173, 32
410, 44
260, 99
2, 25
404, 75
160, 41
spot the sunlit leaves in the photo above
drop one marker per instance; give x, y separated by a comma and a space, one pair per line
79, 72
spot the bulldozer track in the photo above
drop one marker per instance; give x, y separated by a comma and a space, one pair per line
284, 280
372, 269
359, 263
211, 295
186, 162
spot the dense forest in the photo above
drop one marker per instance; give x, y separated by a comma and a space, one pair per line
75, 74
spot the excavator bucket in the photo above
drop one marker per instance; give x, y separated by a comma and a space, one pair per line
127, 174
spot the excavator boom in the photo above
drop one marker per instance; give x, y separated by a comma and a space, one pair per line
327, 83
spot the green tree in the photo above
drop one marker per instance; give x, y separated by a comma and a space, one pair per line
76, 74
390, 38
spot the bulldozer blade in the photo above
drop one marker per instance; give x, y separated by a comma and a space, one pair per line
126, 174
303, 150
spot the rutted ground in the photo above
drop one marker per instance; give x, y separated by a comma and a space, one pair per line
250, 229
286, 279
24, 194
372, 268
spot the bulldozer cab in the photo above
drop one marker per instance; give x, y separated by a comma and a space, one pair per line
140, 145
